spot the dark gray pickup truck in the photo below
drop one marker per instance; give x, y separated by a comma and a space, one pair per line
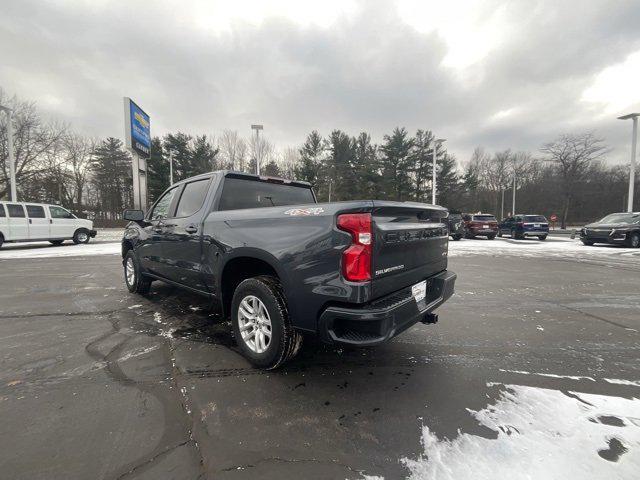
281, 265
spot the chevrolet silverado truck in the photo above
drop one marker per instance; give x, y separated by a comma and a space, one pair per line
280, 265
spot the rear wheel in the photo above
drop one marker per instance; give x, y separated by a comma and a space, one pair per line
81, 236
134, 279
261, 323
56, 242
1, 240
588, 243
633, 240
542, 237
490, 237
457, 237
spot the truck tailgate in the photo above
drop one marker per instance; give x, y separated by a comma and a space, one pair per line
410, 244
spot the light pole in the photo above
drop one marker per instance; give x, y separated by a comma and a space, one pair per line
170, 167
433, 179
513, 205
632, 170
257, 128
12, 160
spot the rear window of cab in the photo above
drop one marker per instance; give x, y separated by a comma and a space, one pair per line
484, 218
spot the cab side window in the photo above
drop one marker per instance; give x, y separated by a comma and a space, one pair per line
59, 212
35, 211
15, 211
161, 208
192, 198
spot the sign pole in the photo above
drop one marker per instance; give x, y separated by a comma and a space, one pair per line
138, 141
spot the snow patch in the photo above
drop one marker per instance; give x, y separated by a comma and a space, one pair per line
542, 433
550, 375
49, 251
623, 382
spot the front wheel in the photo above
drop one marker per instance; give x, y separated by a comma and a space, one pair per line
56, 242
261, 323
588, 243
633, 240
542, 238
81, 236
136, 282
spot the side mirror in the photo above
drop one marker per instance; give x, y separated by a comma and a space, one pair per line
133, 215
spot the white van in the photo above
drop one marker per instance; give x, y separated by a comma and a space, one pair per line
32, 222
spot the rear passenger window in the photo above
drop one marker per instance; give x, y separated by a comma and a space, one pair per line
34, 211
192, 198
15, 211
2, 214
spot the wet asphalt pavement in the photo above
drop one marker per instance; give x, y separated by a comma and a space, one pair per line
99, 383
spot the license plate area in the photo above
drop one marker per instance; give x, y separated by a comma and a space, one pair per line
419, 291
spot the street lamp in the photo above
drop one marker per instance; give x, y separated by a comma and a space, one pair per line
632, 170
257, 128
433, 180
12, 160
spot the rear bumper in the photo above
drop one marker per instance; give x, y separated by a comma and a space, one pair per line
534, 233
93, 233
383, 319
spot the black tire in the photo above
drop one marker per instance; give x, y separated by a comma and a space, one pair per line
457, 237
490, 237
139, 283
56, 242
81, 236
500, 233
588, 243
633, 240
542, 238
1, 240
285, 341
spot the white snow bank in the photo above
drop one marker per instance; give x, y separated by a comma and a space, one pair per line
45, 250
541, 434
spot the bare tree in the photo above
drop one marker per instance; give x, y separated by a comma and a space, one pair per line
260, 148
289, 161
572, 155
233, 149
78, 157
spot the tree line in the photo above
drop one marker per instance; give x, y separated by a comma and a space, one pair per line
567, 176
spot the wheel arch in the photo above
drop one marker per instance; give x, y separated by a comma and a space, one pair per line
245, 264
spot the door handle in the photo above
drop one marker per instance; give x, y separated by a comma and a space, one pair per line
30, 221
191, 229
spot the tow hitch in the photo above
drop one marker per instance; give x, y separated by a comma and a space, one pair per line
430, 318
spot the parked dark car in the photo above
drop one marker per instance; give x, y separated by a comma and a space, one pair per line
456, 225
480, 225
280, 265
523, 226
615, 229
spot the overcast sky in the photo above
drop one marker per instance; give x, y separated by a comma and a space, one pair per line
493, 73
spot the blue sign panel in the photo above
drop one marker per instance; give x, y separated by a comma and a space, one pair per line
140, 130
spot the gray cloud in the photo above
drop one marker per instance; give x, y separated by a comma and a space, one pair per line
368, 70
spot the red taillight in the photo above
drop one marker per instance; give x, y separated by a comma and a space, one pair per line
356, 260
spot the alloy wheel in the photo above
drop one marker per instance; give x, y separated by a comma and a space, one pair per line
254, 324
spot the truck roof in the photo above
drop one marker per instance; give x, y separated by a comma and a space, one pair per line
248, 176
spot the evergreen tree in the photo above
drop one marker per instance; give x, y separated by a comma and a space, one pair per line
179, 145
309, 168
340, 178
396, 165
366, 168
271, 169
204, 155
112, 177
447, 184
157, 170
422, 163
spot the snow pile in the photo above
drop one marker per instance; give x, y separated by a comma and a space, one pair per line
45, 250
541, 434
553, 247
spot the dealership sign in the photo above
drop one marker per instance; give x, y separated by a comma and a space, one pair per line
137, 128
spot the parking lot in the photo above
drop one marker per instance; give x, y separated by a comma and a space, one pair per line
533, 369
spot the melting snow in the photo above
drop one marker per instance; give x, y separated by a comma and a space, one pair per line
622, 382
541, 434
